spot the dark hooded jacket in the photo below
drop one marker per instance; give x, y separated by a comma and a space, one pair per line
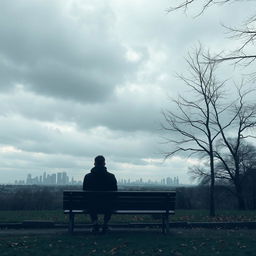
99, 179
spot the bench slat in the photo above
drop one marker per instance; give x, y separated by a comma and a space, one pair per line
131, 200
124, 212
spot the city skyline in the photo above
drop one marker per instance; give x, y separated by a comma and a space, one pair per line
62, 178
59, 178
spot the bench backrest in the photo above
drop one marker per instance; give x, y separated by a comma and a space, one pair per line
123, 200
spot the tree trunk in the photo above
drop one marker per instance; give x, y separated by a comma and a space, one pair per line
241, 203
254, 199
238, 185
253, 186
212, 188
240, 198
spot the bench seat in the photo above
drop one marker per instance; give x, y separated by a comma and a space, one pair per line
123, 212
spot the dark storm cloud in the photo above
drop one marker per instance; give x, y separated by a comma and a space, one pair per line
37, 137
127, 111
51, 53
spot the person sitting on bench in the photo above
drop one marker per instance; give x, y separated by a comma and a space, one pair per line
99, 179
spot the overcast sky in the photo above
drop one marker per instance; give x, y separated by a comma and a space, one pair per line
82, 78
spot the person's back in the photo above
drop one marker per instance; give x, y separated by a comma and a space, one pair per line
99, 179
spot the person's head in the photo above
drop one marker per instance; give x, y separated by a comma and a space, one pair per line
99, 161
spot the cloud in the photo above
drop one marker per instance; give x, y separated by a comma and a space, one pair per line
127, 110
80, 78
53, 138
57, 54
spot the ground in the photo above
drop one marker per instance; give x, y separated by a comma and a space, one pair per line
179, 242
180, 215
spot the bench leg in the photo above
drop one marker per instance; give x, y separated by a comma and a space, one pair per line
71, 223
163, 223
167, 223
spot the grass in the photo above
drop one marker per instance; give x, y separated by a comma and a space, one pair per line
178, 243
196, 242
180, 215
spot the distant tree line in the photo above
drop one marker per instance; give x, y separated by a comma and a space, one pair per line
30, 198
50, 198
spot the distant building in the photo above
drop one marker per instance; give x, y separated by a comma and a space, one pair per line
60, 178
168, 181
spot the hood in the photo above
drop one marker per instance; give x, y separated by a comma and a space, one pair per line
99, 170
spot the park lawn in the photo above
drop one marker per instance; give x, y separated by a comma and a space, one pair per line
196, 242
180, 215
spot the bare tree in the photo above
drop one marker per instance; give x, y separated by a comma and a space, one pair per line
227, 174
240, 117
245, 34
227, 169
192, 125
241, 122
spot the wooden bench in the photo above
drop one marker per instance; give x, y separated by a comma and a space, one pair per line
126, 202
